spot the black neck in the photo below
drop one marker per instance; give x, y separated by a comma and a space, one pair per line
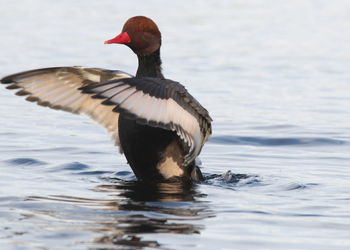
150, 65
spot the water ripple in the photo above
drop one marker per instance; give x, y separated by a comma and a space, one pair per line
74, 166
119, 176
264, 141
230, 180
25, 161
96, 172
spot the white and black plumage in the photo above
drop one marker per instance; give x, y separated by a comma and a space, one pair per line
159, 126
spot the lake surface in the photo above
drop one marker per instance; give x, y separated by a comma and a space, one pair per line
275, 77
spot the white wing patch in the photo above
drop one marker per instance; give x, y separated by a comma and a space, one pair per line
165, 113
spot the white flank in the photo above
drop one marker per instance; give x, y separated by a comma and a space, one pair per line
169, 168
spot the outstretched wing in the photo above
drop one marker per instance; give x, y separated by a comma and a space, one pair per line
159, 103
58, 88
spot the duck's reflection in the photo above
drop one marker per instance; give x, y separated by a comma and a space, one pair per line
142, 192
175, 208
130, 214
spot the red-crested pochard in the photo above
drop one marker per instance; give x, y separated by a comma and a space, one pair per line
158, 125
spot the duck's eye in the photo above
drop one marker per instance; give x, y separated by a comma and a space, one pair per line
137, 30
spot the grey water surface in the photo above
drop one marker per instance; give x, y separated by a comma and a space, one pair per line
275, 77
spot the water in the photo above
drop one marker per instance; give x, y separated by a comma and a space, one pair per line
274, 76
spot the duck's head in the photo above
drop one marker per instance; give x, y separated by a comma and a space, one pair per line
140, 34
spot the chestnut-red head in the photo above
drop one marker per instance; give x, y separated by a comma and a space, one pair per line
140, 34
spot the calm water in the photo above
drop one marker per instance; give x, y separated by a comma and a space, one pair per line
273, 74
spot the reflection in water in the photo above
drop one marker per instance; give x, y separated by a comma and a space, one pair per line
167, 191
161, 208
134, 209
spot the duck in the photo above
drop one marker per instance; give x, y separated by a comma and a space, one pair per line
154, 121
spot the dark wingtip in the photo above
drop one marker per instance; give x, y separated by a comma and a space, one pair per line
119, 109
13, 86
22, 93
86, 90
107, 102
6, 80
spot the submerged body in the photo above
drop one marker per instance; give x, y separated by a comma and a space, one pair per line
159, 126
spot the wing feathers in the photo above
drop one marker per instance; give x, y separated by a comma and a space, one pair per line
60, 88
152, 101
158, 103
